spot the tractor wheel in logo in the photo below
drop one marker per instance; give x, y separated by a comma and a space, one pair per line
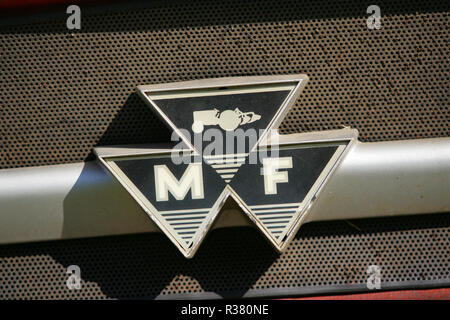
229, 120
197, 127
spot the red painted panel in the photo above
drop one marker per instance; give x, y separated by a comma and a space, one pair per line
430, 294
32, 3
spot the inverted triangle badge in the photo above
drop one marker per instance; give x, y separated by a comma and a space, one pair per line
278, 190
226, 148
209, 110
204, 112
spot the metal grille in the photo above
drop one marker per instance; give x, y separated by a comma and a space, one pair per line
235, 262
65, 92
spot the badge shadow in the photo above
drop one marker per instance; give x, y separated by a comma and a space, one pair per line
154, 262
149, 263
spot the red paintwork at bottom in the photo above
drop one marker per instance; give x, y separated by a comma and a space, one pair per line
430, 294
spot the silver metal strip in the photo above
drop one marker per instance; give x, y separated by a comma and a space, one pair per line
83, 200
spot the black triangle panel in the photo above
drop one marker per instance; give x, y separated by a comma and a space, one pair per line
225, 112
307, 164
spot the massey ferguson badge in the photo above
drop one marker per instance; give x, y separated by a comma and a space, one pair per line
226, 147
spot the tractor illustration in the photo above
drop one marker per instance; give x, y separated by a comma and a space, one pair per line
228, 120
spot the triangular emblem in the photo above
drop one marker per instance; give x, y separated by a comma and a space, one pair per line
225, 148
253, 108
289, 182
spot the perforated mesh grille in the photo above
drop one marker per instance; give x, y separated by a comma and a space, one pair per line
63, 93
235, 262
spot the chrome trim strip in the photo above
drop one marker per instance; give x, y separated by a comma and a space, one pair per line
388, 178
83, 200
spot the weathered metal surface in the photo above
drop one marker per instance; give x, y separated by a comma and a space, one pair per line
83, 200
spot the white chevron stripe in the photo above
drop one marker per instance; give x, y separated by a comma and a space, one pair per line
185, 223
221, 161
227, 171
185, 218
186, 232
226, 156
274, 210
186, 228
187, 210
276, 222
226, 165
276, 214
281, 205
230, 165
231, 168
274, 217
183, 215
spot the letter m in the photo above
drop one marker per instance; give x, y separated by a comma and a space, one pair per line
165, 181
